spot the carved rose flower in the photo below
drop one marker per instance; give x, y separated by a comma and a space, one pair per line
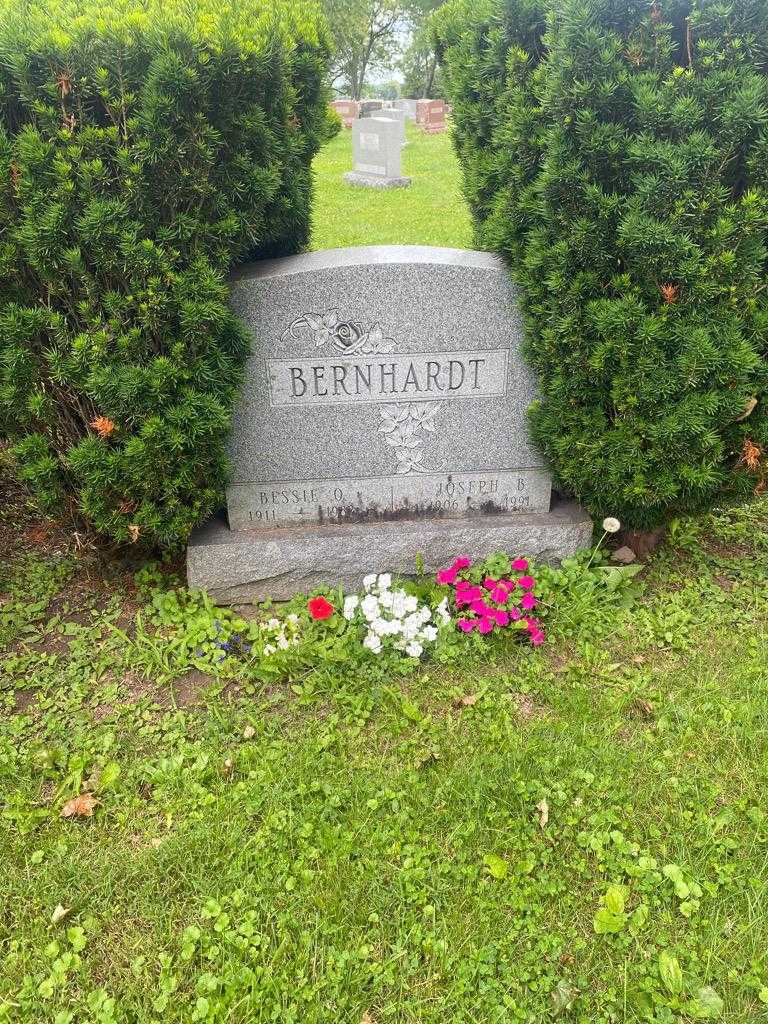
345, 334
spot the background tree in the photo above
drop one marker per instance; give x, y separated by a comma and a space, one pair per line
420, 65
365, 35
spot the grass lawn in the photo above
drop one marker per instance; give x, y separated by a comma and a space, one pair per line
431, 211
574, 833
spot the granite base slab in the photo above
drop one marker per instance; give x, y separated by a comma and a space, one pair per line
241, 567
373, 181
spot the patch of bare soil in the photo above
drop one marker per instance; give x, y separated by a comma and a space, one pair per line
187, 689
527, 708
23, 701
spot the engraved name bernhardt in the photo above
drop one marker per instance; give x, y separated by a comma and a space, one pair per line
380, 378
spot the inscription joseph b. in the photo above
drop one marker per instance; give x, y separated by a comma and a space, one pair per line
423, 376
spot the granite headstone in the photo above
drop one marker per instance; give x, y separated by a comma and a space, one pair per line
376, 146
348, 111
383, 416
369, 107
392, 114
409, 106
433, 113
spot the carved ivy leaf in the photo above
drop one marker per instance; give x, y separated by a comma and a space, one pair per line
331, 319
428, 426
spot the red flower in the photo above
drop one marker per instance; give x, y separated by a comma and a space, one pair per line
319, 608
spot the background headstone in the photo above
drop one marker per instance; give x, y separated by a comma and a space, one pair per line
392, 114
376, 146
348, 111
369, 107
383, 415
409, 106
433, 116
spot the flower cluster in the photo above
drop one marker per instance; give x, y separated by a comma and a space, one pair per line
494, 603
395, 617
279, 634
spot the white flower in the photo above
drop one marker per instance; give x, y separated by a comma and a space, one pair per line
411, 603
398, 604
372, 642
273, 623
442, 611
411, 626
394, 627
293, 618
282, 643
429, 633
350, 604
611, 525
414, 649
369, 580
386, 599
370, 606
269, 649
425, 614
385, 581
380, 626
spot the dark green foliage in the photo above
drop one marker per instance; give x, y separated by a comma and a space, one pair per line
617, 155
145, 148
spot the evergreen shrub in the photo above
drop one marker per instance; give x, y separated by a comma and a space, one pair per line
616, 154
146, 147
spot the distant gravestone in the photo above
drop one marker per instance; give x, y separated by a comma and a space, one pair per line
376, 146
392, 114
409, 106
383, 416
369, 107
432, 115
348, 111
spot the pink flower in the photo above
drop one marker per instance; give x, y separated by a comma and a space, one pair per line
467, 625
463, 563
446, 575
472, 594
526, 582
499, 595
537, 638
480, 608
463, 584
509, 584
485, 625
502, 617
528, 602
515, 614
488, 583
520, 565
532, 624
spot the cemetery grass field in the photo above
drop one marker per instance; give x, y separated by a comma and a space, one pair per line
583, 825
430, 212
574, 833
